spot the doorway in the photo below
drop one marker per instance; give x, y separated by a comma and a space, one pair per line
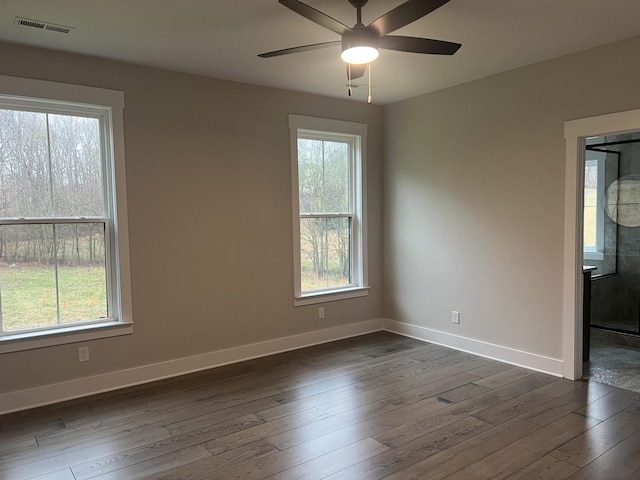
576, 134
611, 259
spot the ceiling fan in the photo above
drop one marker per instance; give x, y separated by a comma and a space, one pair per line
360, 43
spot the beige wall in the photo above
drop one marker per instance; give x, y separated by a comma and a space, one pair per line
473, 207
209, 200
473, 189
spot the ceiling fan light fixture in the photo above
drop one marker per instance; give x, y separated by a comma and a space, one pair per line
359, 46
360, 54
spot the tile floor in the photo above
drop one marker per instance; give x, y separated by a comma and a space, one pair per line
613, 364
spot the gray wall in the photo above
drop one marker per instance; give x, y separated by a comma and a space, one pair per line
628, 264
474, 196
209, 200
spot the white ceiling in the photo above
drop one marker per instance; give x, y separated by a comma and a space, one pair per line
221, 38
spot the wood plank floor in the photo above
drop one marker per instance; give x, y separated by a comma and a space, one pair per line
371, 407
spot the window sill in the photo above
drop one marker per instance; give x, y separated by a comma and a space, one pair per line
72, 334
332, 296
593, 255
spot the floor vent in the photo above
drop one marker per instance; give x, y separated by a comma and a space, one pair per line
52, 27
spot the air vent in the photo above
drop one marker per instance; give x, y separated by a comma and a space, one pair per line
52, 27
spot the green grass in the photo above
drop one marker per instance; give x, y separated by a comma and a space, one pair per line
28, 295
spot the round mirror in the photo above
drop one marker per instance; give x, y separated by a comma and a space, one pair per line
623, 201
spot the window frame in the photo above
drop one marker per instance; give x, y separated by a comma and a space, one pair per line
356, 134
598, 159
108, 106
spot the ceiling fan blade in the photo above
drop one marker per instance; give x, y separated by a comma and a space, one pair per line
404, 14
357, 71
303, 48
316, 16
418, 45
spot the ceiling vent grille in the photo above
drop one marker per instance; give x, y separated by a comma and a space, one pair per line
51, 27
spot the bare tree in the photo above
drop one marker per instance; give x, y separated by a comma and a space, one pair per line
50, 166
323, 178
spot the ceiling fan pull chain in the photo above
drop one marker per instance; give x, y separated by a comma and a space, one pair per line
369, 99
349, 75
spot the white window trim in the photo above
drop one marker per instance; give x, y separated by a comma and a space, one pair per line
361, 285
597, 252
59, 92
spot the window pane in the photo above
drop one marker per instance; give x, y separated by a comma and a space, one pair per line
24, 166
76, 166
27, 277
323, 176
81, 271
590, 203
45, 157
325, 245
46, 280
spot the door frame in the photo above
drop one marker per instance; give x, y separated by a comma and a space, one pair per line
576, 132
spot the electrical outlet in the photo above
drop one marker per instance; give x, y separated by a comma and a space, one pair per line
321, 312
83, 354
455, 317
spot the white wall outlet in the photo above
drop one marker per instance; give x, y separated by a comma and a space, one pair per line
83, 354
455, 317
321, 312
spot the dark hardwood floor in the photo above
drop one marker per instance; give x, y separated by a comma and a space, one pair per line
371, 407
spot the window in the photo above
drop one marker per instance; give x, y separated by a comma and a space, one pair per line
63, 242
328, 159
594, 205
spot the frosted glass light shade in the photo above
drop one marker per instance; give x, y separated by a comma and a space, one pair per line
359, 55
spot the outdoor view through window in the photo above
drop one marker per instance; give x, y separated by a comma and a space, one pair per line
326, 212
52, 220
590, 204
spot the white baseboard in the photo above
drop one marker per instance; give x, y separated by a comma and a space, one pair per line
82, 387
59, 392
512, 356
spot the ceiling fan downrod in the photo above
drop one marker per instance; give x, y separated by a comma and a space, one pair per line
358, 4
